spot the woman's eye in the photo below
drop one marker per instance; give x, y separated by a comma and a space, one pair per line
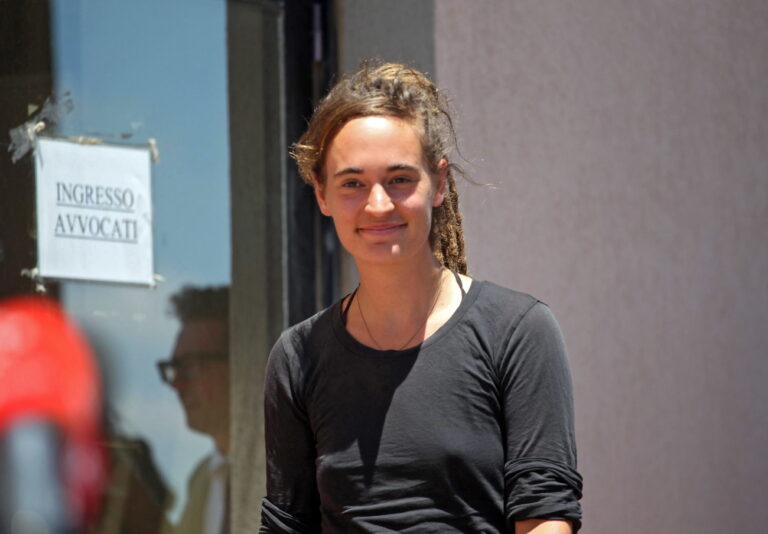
401, 180
352, 184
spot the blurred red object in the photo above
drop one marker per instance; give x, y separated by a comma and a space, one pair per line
48, 376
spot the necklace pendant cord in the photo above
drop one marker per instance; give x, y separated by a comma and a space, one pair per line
426, 319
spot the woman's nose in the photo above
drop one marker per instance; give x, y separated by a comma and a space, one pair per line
379, 200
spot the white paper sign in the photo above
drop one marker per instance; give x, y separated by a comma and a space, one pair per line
94, 212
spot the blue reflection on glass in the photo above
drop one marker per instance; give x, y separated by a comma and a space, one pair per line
139, 70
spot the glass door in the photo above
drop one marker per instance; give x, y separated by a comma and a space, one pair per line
200, 83
216, 90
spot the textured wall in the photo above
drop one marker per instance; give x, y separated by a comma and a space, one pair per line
629, 144
394, 30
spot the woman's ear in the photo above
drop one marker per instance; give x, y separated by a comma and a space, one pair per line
320, 195
442, 179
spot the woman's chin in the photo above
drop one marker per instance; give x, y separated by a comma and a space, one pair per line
379, 254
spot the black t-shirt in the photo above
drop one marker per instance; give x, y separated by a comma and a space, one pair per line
468, 432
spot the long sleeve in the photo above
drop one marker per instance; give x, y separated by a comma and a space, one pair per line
540, 474
292, 502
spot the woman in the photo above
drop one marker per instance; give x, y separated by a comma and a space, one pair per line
425, 401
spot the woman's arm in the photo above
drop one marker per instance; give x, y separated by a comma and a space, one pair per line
543, 526
540, 469
292, 504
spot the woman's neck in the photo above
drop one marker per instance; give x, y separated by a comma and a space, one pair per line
400, 305
399, 287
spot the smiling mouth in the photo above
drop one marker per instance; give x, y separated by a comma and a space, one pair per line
380, 230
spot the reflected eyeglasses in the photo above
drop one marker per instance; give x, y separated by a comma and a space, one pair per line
181, 368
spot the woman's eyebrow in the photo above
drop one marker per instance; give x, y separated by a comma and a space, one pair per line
391, 168
348, 170
402, 167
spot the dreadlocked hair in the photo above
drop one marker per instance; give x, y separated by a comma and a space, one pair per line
393, 90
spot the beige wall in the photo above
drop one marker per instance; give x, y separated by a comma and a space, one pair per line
394, 30
629, 143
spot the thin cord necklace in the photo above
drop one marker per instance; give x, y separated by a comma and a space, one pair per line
431, 308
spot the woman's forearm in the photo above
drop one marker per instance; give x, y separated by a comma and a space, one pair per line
543, 526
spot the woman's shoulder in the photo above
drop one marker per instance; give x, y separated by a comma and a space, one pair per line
312, 330
495, 298
518, 327
507, 309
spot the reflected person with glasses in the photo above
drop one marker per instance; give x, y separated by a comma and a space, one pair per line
199, 372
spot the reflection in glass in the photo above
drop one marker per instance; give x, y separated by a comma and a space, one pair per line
133, 74
199, 373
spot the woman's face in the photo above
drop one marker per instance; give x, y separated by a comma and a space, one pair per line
379, 191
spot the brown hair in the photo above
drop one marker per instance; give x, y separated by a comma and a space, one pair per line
192, 303
393, 90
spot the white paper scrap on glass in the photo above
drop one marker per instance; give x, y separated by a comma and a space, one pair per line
94, 212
